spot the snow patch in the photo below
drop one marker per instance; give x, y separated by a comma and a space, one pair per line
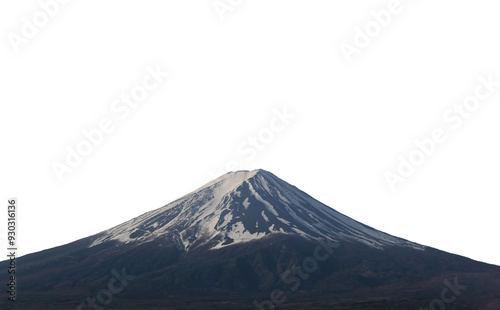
246, 203
264, 216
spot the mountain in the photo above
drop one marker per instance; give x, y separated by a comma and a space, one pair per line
243, 206
249, 240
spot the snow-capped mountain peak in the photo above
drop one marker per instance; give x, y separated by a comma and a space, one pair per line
243, 206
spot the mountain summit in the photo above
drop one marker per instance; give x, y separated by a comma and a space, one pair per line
249, 240
243, 206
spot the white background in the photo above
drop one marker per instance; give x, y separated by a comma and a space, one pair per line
352, 120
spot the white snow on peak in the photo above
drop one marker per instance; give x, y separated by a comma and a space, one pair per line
229, 180
211, 214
